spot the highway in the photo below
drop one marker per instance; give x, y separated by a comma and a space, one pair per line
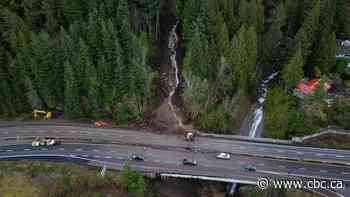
164, 154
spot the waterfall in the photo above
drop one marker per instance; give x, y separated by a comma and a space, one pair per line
173, 40
258, 112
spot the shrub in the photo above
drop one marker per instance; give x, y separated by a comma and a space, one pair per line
132, 182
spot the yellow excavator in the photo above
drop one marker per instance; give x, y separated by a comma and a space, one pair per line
41, 113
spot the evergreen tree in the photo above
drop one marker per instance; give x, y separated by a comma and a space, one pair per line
72, 107
93, 35
197, 49
82, 63
277, 103
41, 65
244, 59
342, 18
272, 50
189, 15
306, 35
229, 13
251, 13
324, 53
123, 12
292, 73
92, 90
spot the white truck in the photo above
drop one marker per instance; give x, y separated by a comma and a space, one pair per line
45, 142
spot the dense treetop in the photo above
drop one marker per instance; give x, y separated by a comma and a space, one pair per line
93, 58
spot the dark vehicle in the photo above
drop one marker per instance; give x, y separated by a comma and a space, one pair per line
250, 168
189, 162
137, 157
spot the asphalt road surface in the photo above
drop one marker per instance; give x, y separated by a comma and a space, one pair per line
164, 154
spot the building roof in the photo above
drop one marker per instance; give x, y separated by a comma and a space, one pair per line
308, 87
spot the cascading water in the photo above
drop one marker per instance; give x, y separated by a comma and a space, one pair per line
258, 112
173, 40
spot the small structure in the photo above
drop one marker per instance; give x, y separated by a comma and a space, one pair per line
308, 87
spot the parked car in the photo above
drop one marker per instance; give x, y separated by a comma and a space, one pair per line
45, 142
102, 123
189, 162
250, 168
137, 157
225, 156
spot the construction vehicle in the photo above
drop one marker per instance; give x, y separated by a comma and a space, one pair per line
41, 113
189, 136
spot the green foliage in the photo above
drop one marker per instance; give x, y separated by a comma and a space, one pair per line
306, 35
340, 115
342, 18
216, 118
80, 56
196, 96
132, 182
244, 59
271, 49
341, 65
292, 73
277, 109
71, 93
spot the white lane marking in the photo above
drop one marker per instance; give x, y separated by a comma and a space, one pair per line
345, 173
95, 150
319, 154
157, 161
85, 156
261, 164
9, 150
108, 157
261, 149
323, 171
27, 149
61, 148
120, 157
282, 166
72, 155
340, 156
302, 169
299, 153
79, 149
280, 151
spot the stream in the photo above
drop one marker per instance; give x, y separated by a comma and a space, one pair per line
173, 40
255, 128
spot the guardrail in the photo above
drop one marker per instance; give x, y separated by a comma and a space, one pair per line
245, 138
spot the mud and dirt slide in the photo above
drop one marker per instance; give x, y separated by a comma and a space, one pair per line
167, 20
168, 112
